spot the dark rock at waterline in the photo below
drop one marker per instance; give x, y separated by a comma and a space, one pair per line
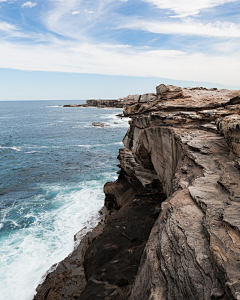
105, 103
111, 262
67, 279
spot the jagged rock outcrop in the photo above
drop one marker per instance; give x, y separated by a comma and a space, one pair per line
172, 230
184, 142
193, 250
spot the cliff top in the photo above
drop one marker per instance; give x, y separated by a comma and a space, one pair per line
176, 98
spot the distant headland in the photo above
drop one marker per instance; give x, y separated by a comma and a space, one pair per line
100, 103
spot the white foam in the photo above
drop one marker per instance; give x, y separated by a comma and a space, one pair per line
115, 121
53, 106
30, 152
100, 145
85, 146
13, 148
27, 253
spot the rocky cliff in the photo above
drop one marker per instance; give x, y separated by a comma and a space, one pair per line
172, 229
189, 139
100, 104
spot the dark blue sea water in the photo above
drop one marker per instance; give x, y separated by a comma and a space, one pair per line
53, 165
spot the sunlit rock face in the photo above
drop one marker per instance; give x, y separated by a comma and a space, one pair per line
191, 141
183, 142
172, 226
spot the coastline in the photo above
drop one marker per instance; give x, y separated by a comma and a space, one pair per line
99, 104
117, 220
173, 207
67, 277
54, 277
61, 202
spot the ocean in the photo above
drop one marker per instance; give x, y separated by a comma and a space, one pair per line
53, 165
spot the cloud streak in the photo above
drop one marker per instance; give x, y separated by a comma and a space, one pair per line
187, 27
119, 60
93, 37
184, 8
4, 26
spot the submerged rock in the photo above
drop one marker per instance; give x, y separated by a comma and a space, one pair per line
99, 124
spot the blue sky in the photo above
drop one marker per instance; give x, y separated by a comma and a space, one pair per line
77, 49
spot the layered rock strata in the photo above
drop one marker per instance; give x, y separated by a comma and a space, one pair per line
180, 173
190, 138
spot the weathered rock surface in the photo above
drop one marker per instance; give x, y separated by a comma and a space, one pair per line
193, 250
183, 143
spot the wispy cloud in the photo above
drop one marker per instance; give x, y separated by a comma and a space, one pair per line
118, 60
184, 8
60, 20
187, 27
10, 30
29, 4
4, 26
89, 36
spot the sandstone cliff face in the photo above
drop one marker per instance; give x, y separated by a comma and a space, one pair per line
172, 229
193, 250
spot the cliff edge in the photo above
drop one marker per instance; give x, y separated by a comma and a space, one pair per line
172, 229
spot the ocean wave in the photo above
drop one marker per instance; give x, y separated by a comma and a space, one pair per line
48, 194
30, 152
53, 106
13, 148
100, 145
49, 238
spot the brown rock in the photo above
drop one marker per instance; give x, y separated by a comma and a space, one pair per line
166, 92
183, 142
230, 127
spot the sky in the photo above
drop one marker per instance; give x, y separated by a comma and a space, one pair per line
78, 49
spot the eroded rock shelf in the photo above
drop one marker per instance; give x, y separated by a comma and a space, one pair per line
172, 227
